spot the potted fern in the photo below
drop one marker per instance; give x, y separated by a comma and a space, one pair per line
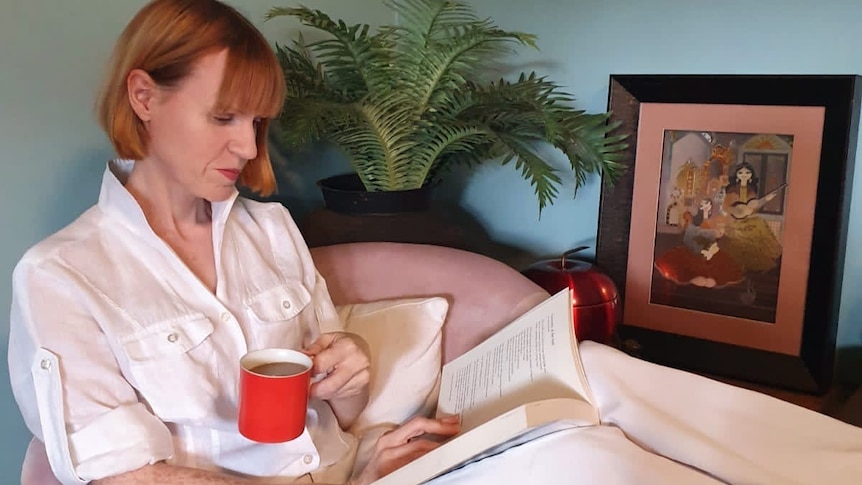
408, 102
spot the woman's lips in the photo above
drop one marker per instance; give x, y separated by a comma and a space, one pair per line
230, 174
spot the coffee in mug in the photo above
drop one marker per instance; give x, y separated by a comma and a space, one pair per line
279, 369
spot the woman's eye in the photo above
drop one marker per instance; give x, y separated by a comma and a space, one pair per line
223, 119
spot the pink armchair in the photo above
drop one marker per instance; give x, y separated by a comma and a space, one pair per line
483, 293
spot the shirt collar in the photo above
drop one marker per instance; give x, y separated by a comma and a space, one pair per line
115, 200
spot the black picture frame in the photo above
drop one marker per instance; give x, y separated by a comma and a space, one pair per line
811, 369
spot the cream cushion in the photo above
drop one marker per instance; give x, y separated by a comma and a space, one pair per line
405, 340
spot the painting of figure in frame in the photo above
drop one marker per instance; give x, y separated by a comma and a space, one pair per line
720, 222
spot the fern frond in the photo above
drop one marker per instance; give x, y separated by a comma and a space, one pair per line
542, 177
348, 56
447, 68
424, 21
533, 108
505, 149
306, 120
388, 127
439, 140
302, 76
591, 148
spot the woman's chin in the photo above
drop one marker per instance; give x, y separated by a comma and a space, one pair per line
220, 194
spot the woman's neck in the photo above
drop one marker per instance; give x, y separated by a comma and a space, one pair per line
168, 207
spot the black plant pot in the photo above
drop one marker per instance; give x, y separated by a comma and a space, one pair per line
345, 194
352, 214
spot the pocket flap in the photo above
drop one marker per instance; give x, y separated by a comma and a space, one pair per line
169, 338
280, 303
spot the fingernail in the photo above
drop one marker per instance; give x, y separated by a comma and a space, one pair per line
452, 418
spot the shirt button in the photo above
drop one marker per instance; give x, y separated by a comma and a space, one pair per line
225, 316
172, 337
307, 459
285, 303
45, 364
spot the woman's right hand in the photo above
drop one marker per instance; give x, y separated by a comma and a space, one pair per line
404, 444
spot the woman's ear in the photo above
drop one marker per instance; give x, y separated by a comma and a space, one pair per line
142, 92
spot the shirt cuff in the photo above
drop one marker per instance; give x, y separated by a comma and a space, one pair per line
121, 440
125, 439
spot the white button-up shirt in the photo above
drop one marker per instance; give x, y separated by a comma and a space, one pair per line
120, 357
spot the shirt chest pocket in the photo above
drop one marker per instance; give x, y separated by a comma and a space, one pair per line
282, 316
172, 365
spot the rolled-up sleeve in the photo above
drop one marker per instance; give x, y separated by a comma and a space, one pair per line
69, 386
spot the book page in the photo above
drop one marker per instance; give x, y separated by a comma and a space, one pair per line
533, 358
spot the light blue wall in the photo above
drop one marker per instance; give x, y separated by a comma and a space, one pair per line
53, 154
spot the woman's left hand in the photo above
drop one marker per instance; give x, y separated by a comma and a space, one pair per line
344, 358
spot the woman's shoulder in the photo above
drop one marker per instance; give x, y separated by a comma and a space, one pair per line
259, 206
271, 224
265, 214
51, 250
271, 220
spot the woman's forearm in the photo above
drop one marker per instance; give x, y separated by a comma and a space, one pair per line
164, 473
347, 409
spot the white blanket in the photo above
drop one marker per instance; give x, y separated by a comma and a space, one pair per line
664, 426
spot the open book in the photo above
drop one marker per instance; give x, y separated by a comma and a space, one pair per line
521, 383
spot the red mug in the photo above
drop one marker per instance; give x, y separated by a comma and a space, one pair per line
273, 394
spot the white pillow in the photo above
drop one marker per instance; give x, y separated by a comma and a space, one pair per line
405, 339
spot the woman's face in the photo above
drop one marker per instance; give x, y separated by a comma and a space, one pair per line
743, 175
705, 205
197, 149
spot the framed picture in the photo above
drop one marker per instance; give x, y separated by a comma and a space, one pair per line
726, 234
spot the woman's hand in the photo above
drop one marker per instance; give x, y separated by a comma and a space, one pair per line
344, 360
402, 445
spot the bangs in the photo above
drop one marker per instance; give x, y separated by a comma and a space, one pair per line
253, 81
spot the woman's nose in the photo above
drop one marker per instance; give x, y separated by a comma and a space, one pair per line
244, 144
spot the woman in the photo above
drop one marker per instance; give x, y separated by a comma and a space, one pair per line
128, 325
700, 260
749, 240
